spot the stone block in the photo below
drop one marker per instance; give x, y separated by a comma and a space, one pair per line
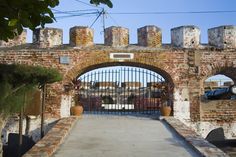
81, 36
149, 36
18, 40
185, 36
222, 37
47, 37
116, 36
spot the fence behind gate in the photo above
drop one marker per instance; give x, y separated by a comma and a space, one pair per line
121, 90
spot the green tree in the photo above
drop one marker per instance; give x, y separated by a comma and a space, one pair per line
18, 14
18, 80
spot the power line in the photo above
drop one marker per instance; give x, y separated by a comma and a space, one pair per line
96, 18
73, 11
74, 15
173, 12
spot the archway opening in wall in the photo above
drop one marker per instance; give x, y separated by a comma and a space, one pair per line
123, 90
219, 87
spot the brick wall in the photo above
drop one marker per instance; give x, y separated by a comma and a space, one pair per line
186, 66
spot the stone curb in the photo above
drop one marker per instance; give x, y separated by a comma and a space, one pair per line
198, 143
53, 139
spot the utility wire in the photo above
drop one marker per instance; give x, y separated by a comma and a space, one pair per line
173, 12
96, 19
73, 11
113, 19
74, 15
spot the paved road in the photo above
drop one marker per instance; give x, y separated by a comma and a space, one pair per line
114, 136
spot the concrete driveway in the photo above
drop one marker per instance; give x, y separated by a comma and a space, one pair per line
122, 136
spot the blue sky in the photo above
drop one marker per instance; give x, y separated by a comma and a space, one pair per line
132, 22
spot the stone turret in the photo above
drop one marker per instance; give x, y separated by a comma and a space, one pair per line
47, 37
185, 36
222, 37
149, 36
81, 36
18, 40
116, 36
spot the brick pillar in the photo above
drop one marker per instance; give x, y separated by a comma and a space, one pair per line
81, 36
47, 37
149, 36
116, 36
18, 40
222, 37
185, 36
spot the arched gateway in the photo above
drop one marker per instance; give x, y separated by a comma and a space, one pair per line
185, 64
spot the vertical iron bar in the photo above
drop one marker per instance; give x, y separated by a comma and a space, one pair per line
112, 88
87, 93
105, 92
148, 87
98, 92
91, 91
128, 89
118, 88
83, 93
102, 88
95, 91
150, 73
124, 71
144, 92
140, 99
136, 95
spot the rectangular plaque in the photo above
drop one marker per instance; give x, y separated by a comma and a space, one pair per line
121, 56
64, 59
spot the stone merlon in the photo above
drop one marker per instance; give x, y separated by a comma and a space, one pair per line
222, 36
149, 36
47, 37
81, 36
185, 36
116, 36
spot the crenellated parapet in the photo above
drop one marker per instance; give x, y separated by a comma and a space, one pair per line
185, 36
149, 36
116, 36
81, 36
47, 37
222, 37
18, 40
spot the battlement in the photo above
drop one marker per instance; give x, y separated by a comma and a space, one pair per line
222, 37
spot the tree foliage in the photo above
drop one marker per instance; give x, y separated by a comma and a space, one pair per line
97, 2
18, 14
18, 81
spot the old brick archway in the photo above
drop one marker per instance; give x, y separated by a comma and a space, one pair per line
142, 101
186, 63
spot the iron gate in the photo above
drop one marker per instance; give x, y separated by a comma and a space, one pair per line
121, 90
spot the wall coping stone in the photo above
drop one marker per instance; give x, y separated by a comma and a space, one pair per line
198, 143
53, 139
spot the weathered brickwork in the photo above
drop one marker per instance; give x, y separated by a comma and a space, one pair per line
222, 37
18, 40
53, 139
149, 36
48, 37
186, 69
81, 36
185, 36
116, 36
